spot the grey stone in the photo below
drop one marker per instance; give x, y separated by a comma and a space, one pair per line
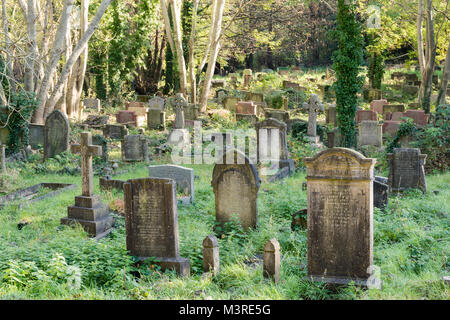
211, 260
135, 148
271, 260
36, 135
370, 133
406, 170
56, 134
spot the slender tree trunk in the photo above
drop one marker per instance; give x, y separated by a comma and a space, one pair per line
421, 57
179, 46
215, 47
9, 60
192, 80
445, 78
32, 45
210, 40
79, 48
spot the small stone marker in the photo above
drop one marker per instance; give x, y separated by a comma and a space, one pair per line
127, 117
271, 260
236, 183
370, 133
331, 115
406, 170
211, 260
184, 178
340, 216
3, 168
56, 134
313, 107
135, 148
36, 134
151, 221
88, 210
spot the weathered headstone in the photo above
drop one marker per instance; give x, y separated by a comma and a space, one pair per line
271, 260
340, 214
184, 178
157, 103
156, 119
236, 183
419, 117
390, 127
88, 210
178, 103
380, 192
370, 133
211, 260
365, 115
135, 148
391, 108
406, 170
280, 115
98, 140
92, 103
313, 107
151, 221
331, 115
377, 105
56, 134
126, 117
115, 131
246, 107
333, 138
247, 74
36, 135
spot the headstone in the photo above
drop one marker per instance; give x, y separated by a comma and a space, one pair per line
377, 105
126, 117
331, 115
390, 127
340, 216
246, 107
254, 97
56, 134
218, 83
370, 134
271, 260
98, 140
313, 107
135, 148
333, 138
151, 222
142, 98
157, 103
419, 117
250, 118
178, 103
380, 192
184, 178
211, 260
229, 103
362, 115
280, 115
115, 131
247, 74
92, 104
236, 183
156, 119
391, 108
406, 170
88, 210
36, 135
191, 112
411, 89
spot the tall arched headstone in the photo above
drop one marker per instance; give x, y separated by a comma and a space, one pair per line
236, 183
56, 134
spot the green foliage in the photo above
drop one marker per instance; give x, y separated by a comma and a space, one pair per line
407, 128
375, 70
347, 65
16, 117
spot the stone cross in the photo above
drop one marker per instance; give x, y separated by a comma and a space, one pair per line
313, 106
87, 151
2, 146
179, 103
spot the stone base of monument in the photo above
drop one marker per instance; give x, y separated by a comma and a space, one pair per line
178, 136
92, 215
313, 139
343, 281
182, 266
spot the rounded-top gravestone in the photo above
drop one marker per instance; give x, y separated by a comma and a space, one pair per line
56, 134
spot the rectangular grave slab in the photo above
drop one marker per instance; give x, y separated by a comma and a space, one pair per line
184, 178
36, 134
340, 216
406, 170
134, 148
115, 131
151, 221
156, 119
366, 115
370, 133
92, 104
32, 194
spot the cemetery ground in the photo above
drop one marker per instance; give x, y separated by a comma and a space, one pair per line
41, 259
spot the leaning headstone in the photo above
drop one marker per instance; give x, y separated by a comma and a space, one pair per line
211, 260
235, 184
184, 178
271, 260
313, 107
56, 134
36, 134
370, 134
151, 221
380, 192
340, 216
88, 210
135, 148
406, 170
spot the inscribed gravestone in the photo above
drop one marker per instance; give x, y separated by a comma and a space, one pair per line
362, 115
151, 221
156, 119
56, 134
157, 103
406, 170
92, 103
134, 148
340, 216
114, 131
236, 183
370, 133
36, 134
184, 177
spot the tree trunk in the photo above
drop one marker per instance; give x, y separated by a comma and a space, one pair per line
421, 57
215, 46
32, 45
179, 46
192, 79
445, 77
9, 60
57, 92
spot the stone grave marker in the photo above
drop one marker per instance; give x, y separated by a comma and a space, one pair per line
377, 105
246, 107
333, 138
126, 117
313, 107
156, 119
390, 127
135, 148
178, 103
184, 178
157, 103
370, 134
88, 210
56, 134
391, 108
280, 115
331, 115
229, 103
36, 135
406, 170
248, 75
380, 192
271, 260
211, 259
115, 131
92, 104
236, 183
366, 115
98, 140
340, 216
151, 221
